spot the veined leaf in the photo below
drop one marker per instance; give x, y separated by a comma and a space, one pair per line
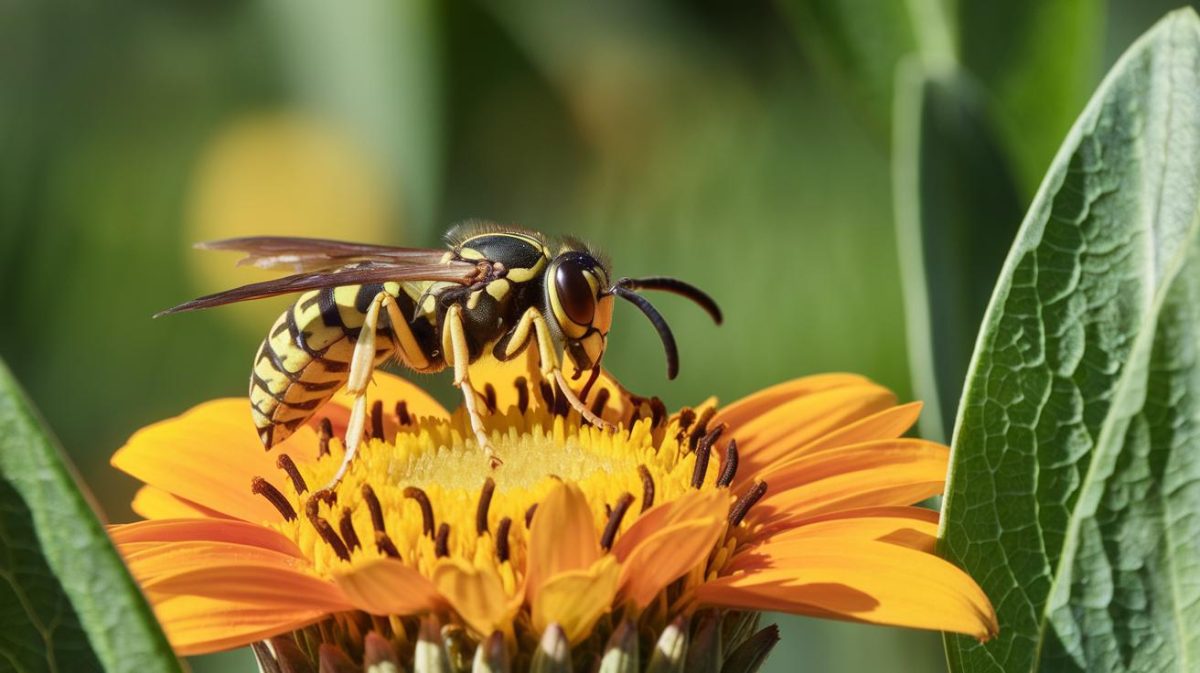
1074, 494
66, 601
957, 210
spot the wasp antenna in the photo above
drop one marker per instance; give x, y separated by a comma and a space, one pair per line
675, 286
656, 319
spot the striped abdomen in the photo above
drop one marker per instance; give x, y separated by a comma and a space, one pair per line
306, 357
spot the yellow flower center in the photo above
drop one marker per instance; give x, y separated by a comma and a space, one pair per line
428, 492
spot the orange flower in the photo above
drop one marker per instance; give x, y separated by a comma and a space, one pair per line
796, 499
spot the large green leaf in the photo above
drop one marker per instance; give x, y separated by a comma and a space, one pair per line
957, 209
1039, 59
66, 600
1074, 494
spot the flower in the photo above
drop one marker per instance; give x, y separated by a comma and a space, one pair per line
676, 528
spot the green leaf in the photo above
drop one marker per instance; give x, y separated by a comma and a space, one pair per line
1074, 492
1039, 60
66, 601
957, 210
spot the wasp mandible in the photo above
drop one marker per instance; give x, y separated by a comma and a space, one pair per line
492, 294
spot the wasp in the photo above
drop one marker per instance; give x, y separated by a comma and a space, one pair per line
492, 293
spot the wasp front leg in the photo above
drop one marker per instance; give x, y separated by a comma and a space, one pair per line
458, 354
533, 324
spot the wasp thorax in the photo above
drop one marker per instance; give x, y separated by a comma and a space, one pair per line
580, 305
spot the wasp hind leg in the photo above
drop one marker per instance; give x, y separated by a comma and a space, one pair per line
457, 350
362, 365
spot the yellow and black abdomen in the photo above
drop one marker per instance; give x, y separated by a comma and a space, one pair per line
305, 358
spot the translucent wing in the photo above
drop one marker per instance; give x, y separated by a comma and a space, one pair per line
371, 272
315, 254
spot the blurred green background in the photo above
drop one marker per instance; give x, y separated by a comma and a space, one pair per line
746, 147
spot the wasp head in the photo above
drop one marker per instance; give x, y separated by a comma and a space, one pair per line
579, 304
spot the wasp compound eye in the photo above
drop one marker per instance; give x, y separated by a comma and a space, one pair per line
575, 293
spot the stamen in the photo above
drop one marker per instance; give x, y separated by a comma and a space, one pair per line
441, 546
614, 521
377, 420
385, 545
601, 400
325, 433
529, 515
426, 507
701, 427
285, 463
502, 538
547, 392
346, 526
729, 465
687, 416
739, 509
562, 406
658, 412
489, 397
485, 501
587, 387
647, 487
402, 415
312, 510
703, 452
522, 387
260, 486
374, 507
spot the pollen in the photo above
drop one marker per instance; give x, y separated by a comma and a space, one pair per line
426, 492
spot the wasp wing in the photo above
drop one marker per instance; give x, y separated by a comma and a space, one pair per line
450, 271
313, 254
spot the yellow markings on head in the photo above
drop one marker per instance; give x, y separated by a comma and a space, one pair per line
526, 275
498, 289
604, 312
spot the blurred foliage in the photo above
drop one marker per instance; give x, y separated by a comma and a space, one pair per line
704, 140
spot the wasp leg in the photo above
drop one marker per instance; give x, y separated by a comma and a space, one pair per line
533, 321
461, 356
362, 365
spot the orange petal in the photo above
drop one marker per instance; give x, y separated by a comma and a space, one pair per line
388, 389
198, 625
151, 561
562, 537
666, 556
887, 424
202, 530
476, 594
887, 473
772, 435
154, 503
252, 584
208, 456
691, 506
388, 587
576, 599
865, 581
912, 527
747, 408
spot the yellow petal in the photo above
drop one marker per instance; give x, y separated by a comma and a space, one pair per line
861, 580
576, 599
199, 625
387, 389
772, 436
388, 587
896, 472
208, 455
476, 594
562, 537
